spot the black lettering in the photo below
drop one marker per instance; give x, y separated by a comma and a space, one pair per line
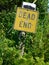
24, 15
28, 17
25, 24
20, 24
29, 25
20, 14
32, 16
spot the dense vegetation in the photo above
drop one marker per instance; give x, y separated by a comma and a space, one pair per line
36, 45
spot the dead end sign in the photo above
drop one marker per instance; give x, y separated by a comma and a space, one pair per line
26, 20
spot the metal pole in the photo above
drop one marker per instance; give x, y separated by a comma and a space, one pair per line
48, 6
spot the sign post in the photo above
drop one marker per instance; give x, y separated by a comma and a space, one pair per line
48, 8
26, 20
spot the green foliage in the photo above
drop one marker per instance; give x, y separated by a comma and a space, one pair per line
36, 44
1, 61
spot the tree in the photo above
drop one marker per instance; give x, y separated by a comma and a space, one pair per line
36, 45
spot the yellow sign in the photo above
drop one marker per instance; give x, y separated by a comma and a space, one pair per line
26, 20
